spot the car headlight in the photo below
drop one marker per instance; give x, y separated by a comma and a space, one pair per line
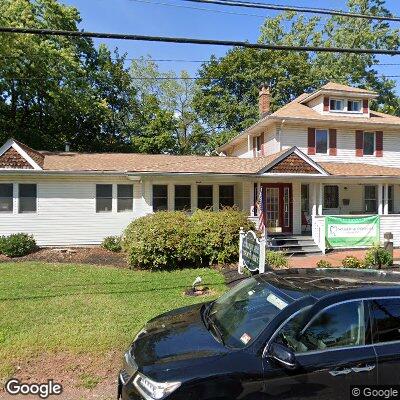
152, 390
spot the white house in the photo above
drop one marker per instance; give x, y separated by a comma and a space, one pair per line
325, 153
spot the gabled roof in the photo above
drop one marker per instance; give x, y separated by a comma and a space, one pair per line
16, 155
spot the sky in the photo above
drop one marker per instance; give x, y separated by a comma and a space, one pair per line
185, 19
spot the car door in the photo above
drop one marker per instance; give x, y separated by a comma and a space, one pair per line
332, 353
386, 337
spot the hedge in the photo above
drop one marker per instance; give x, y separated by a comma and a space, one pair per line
172, 239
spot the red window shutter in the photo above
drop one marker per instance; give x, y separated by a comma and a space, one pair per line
332, 142
365, 106
311, 141
359, 143
326, 103
379, 144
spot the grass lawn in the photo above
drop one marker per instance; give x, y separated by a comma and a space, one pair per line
83, 309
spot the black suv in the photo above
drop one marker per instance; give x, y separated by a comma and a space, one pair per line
295, 334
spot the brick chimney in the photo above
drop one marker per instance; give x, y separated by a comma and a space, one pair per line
264, 100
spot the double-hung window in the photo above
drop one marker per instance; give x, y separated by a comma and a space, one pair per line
336, 104
321, 141
370, 199
6, 198
103, 198
183, 199
160, 197
125, 198
204, 196
226, 196
27, 198
331, 196
354, 105
369, 143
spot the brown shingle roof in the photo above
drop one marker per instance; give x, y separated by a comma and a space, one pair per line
35, 155
359, 169
344, 88
157, 163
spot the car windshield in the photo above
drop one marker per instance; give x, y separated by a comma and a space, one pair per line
241, 314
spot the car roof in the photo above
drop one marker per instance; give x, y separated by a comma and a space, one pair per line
321, 282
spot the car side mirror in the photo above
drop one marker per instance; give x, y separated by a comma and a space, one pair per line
283, 355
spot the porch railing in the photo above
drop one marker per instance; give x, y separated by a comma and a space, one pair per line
318, 231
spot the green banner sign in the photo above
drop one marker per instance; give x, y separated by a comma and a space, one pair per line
351, 231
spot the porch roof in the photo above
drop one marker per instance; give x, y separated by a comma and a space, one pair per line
358, 169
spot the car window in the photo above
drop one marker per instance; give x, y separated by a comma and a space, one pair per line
338, 326
386, 315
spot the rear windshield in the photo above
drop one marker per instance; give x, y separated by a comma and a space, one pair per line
243, 313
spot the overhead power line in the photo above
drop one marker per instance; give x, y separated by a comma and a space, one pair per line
169, 39
312, 10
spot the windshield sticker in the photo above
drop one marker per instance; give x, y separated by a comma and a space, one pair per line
276, 301
245, 338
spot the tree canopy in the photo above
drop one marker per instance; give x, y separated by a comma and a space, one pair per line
56, 89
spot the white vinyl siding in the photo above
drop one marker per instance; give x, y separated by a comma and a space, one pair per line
293, 135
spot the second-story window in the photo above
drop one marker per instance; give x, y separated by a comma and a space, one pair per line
336, 104
321, 141
369, 143
257, 145
354, 105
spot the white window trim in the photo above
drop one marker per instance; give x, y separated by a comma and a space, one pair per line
113, 199
338, 99
117, 198
354, 112
345, 105
17, 198
327, 140
374, 153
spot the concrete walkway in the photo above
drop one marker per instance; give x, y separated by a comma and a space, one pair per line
335, 258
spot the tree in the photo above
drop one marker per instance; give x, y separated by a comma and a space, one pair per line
174, 96
55, 89
226, 100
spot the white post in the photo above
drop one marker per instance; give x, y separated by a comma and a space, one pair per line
242, 234
386, 202
261, 268
320, 199
249, 143
251, 199
380, 196
313, 197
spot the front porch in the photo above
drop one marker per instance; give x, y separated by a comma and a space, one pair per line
294, 207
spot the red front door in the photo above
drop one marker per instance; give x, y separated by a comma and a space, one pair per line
278, 207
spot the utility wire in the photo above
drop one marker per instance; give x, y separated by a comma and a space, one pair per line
169, 39
312, 10
199, 8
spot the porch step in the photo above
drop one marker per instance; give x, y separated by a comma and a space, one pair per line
298, 245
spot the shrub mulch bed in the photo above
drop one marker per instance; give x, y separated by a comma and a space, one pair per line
92, 255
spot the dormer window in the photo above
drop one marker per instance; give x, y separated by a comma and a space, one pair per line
336, 104
257, 145
354, 105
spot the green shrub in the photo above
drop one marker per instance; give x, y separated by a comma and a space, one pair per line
352, 262
17, 245
112, 243
276, 259
377, 256
160, 241
170, 240
216, 234
324, 264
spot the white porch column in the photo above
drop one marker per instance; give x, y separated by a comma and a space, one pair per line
386, 199
296, 187
320, 198
251, 199
313, 198
380, 199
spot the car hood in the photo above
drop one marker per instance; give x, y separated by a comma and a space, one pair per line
176, 336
